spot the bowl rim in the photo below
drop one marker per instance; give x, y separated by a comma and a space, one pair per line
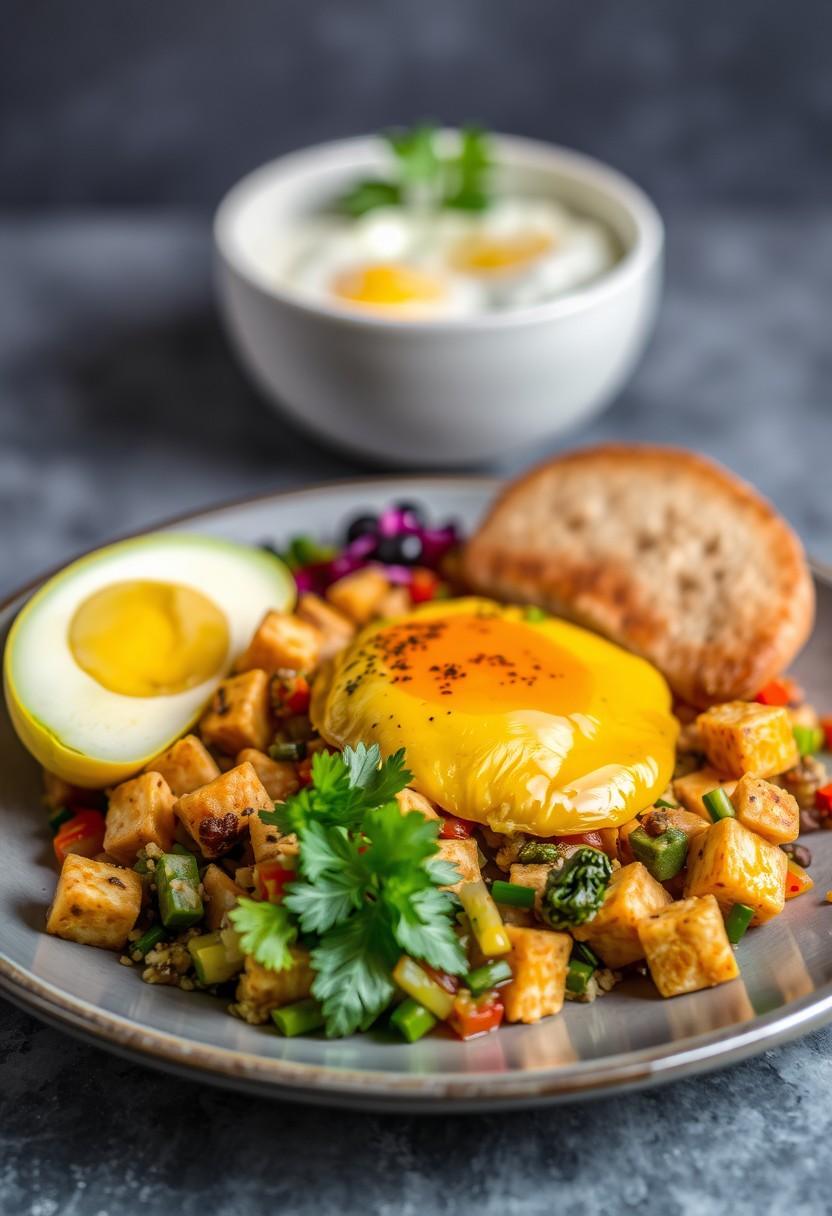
635, 263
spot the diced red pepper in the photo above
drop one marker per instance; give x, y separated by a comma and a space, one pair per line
594, 839
474, 1016
304, 771
290, 694
781, 691
271, 878
823, 799
423, 585
826, 727
455, 829
797, 880
82, 834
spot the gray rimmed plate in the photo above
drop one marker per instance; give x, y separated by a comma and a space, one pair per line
630, 1038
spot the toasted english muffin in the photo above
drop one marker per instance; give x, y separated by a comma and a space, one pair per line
661, 550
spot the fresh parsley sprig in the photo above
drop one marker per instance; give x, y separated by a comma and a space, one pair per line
422, 176
368, 888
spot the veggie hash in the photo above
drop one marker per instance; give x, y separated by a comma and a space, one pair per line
371, 826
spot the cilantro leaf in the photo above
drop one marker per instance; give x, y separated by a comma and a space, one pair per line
338, 875
469, 172
266, 932
387, 780
416, 153
361, 761
369, 194
397, 840
352, 968
441, 873
423, 928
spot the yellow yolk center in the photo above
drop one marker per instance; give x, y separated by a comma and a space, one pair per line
483, 664
479, 254
146, 639
387, 285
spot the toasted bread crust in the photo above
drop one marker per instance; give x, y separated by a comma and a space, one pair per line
661, 550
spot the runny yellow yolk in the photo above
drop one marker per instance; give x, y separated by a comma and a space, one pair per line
387, 285
147, 639
480, 254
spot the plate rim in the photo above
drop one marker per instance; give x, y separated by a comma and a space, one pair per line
313, 1083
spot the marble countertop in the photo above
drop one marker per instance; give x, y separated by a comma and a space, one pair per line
120, 405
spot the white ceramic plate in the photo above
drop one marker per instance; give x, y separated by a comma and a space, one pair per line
630, 1038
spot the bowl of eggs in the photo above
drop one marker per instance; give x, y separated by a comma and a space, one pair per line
438, 298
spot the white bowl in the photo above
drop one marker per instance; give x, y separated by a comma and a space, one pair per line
441, 392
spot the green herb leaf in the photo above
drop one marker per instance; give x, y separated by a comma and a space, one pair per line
423, 927
352, 971
266, 932
468, 174
416, 153
369, 195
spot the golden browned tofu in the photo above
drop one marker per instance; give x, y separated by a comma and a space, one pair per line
265, 840
221, 895
238, 716
282, 640
216, 814
259, 990
464, 855
745, 737
95, 903
359, 595
279, 777
395, 603
140, 813
690, 790
687, 948
539, 961
766, 809
336, 630
185, 766
409, 800
633, 895
738, 867
532, 875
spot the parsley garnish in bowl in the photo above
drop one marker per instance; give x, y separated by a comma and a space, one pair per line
368, 888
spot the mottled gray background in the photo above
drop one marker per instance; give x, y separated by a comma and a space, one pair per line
120, 126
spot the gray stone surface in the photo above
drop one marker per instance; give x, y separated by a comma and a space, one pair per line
119, 404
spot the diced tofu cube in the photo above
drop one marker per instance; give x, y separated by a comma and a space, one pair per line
260, 990
690, 790
409, 800
216, 814
140, 813
95, 903
359, 595
689, 822
766, 809
633, 895
745, 737
238, 716
279, 777
464, 855
336, 630
185, 766
282, 640
265, 840
738, 867
687, 948
395, 603
221, 894
539, 960
532, 875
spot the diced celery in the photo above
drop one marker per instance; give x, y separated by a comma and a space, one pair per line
300, 1018
486, 922
177, 887
413, 980
211, 960
412, 1020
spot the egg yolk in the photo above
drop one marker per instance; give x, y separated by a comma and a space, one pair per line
480, 254
148, 639
387, 285
538, 727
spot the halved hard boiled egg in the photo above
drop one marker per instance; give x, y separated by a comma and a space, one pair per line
531, 725
115, 657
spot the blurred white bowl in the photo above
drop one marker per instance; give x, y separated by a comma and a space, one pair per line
440, 392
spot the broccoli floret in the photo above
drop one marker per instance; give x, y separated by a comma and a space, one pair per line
574, 893
540, 852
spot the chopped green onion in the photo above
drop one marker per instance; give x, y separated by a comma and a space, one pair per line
514, 894
181, 851
578, 976
718, 805
663, 805
150, 938
664, 855
58, 817
412, 1020
305, 551
582, 951
177, 887
423, 988
288, 751
490, 975
809, 739
300, 1018
737, 921
535, 615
